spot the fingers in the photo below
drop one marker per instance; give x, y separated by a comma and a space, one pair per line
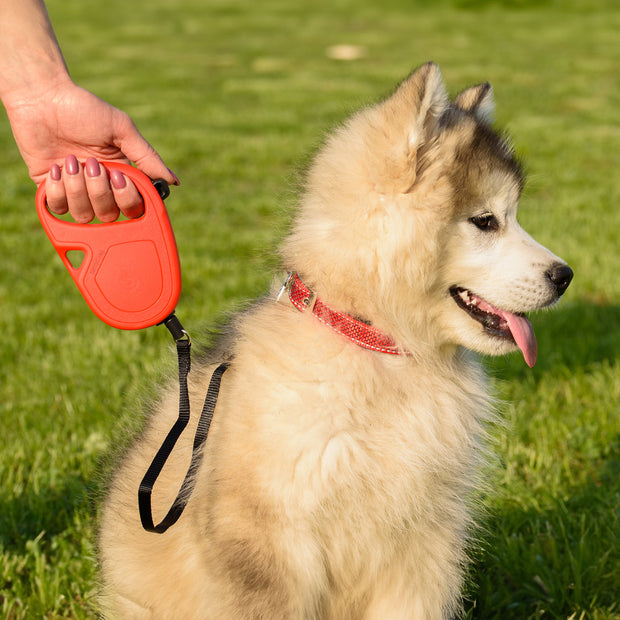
89, 191
55, 191
99, 191
126, 195
78, 200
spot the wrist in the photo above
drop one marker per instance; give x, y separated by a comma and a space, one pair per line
34, 84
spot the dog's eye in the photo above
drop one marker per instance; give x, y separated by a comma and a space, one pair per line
486, 222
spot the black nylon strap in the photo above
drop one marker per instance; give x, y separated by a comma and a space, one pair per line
146, 486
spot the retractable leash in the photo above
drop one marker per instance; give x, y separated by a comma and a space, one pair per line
130, 278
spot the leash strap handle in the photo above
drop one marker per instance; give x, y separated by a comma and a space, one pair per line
145, 491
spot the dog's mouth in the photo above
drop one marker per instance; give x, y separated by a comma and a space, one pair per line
499, 323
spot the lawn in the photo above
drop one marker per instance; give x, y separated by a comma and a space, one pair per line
236, 96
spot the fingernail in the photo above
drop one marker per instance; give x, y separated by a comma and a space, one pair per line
72, 165
55, 172
117, 179
92, 167
174, 176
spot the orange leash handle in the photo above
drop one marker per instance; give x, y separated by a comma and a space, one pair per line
130, 276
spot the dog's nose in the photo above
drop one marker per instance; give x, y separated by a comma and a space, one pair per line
560, 275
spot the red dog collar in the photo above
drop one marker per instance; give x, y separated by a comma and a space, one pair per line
358, 332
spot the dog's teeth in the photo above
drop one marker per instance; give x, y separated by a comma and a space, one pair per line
464, 295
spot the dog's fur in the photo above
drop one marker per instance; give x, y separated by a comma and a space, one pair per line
337, 482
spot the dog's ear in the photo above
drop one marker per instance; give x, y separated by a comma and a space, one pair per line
478, 100
410, 121
419, 101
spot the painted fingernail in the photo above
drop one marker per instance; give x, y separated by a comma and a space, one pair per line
174, 176
117, 179
55, 172
92, 167
72, 165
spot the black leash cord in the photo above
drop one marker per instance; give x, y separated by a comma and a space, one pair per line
146, 486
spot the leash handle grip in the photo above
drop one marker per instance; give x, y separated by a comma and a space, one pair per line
130, 274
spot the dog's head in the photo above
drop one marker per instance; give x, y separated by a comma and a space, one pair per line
409, 222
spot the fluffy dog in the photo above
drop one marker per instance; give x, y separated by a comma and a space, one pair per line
342, 465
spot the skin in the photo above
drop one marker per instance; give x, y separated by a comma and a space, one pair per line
58, 125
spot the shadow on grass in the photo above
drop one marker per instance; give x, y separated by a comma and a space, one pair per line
51, 509
555, 556
555, 562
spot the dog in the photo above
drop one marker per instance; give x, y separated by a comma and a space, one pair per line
340, 475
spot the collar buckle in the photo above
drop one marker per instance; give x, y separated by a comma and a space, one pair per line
284, 295
295, 292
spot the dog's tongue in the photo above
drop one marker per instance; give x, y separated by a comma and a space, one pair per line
520, 328
523, 333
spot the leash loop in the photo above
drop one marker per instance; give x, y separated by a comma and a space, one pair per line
183, 342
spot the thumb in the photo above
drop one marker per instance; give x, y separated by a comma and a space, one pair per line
138, 150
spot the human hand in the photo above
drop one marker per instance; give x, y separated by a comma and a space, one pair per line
67, 124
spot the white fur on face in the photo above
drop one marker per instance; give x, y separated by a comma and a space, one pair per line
506, 267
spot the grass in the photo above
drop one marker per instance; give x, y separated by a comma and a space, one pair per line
235, 95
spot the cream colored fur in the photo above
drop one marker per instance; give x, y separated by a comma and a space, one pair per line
338, 483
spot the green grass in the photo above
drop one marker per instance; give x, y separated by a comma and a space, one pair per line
235, 95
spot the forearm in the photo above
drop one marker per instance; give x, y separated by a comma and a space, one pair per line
30, 59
